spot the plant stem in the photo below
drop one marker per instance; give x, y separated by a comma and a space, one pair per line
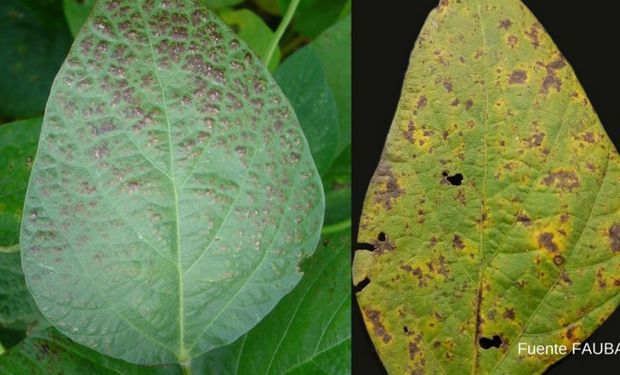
2, 350
286, 20
186, 366
336, 227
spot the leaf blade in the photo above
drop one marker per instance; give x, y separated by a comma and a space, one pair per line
500, 107
168, 202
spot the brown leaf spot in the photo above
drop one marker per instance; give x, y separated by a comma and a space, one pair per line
545, 240
457, 242
533, 35
455, 102
614, 238
535, 140
565, 180
551, 80
524, 219
422, 102
509, 314
409, 132
447, 85
558, 260
413, 349
505, 24
588, 137
377, 327
518, 76
512, 41
392, 189
460, 197
468, 104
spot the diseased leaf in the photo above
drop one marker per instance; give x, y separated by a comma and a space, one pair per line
16, 304
302, 80
494, 211
309, 332
76, 12
34, 39
49, 352
173, 194
253, 30
18, 145
334, 50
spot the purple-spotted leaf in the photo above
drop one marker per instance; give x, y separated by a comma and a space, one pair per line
173, 194
494, 213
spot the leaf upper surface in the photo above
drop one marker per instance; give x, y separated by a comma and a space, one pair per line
494, 211
173, 193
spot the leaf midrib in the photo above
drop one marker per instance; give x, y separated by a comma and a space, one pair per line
182, 355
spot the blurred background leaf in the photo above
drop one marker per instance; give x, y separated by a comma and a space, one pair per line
35, 39
269, 6
303, 81
218, 4
18, 145
314, 16
253, 30
76, 12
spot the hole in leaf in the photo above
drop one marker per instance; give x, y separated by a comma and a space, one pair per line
406, 329
381, 236
456, 179
486, 343
361, 285
364, 246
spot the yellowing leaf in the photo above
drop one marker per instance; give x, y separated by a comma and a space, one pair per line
494, 212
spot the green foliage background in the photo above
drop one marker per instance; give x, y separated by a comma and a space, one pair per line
311, 64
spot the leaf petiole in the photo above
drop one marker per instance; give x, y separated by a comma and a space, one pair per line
286, 20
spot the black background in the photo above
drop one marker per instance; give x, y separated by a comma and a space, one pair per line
383, 37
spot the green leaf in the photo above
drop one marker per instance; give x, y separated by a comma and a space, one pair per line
173, 194
49, 352
218, 4
269, 6
309, 332
495, 209
337, 186
302, 80
18, 145
334, 50
314, 16
76, 12
253, 30
34, 39
16, 304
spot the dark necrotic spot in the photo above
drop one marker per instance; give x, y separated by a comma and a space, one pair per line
406, 329
381, 236
456, 179
487, 343
364, 246
361, 285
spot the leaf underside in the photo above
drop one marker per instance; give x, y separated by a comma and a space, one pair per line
173, 193
494, 211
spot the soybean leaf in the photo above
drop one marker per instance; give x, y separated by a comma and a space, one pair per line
309, 332
49, 352
173, 193
334, 50
76, 12
18, 145
314, 16
16, 304
302, 80
337, 186
494, 211
253, 30
34, 39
